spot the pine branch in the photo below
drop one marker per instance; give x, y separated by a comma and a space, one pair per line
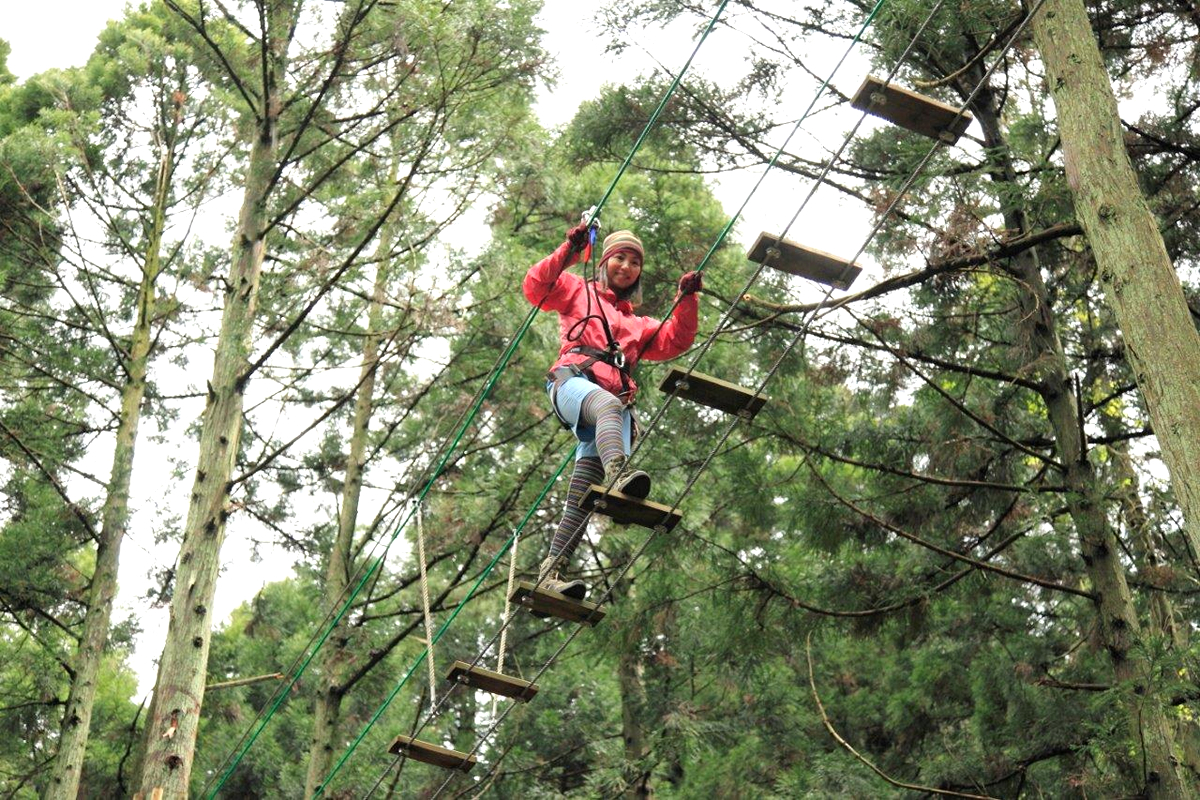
54, 482
916, 476
1005, 249
904, 534
812, 682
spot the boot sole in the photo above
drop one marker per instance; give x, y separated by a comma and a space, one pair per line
636, 485
576, 591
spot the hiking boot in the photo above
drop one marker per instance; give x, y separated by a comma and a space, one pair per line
634, 483
574, 589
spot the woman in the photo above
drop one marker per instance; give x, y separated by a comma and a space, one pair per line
591, 388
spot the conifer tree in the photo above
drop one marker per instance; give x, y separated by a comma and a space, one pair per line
136, 59
1160, 337
172, 723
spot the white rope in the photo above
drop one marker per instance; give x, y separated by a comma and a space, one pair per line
512, 576
425, 606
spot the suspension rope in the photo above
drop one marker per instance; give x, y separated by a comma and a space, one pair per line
440, 632
796, 340
512, 575
425, 605
501, 648
347, 598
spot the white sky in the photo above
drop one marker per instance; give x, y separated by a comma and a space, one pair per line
53, 33
62, 33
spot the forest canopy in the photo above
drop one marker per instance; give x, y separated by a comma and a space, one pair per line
266, 334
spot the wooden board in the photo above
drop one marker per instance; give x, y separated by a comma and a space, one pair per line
916, 112
629, 510
494, 682
556, 605
713, 392
431, 754
807, 262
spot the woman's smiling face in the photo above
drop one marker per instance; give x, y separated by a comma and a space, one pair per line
624, 268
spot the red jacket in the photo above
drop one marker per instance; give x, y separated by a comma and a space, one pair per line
549, 287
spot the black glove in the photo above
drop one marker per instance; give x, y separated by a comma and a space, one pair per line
690, 283
578, 237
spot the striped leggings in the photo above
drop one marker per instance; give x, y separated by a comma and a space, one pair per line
603, 412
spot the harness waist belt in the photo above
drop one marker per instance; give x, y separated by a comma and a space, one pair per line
615, 360
566, 372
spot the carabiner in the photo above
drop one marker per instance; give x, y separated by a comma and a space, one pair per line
591, 218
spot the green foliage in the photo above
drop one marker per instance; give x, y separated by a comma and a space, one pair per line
841, 516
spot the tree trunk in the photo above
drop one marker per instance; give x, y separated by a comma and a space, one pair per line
170, 737
337, 576
633, 732
1163, 618
633, 696
1161, 341
1146, 551
1117, 617
76, 724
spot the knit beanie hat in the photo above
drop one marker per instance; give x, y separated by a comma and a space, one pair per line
621, 240
614, 243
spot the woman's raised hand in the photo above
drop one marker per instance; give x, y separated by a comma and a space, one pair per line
578, 237
690, 283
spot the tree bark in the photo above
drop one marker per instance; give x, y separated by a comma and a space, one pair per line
337, 576
68, 763
1099, 548
1145, 548
633, 701
1161, 341
633, 732
170, 737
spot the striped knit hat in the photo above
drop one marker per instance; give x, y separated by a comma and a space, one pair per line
613, 244
621, 240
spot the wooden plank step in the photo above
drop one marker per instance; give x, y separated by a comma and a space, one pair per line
806, 262
630, 510
553, 604
916, 112
713, 392
431, 754
495, 682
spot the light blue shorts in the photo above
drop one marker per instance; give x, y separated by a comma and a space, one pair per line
569, 406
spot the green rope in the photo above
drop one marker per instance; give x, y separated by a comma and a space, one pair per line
658, 111
285, 691
441, 630
603, 200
